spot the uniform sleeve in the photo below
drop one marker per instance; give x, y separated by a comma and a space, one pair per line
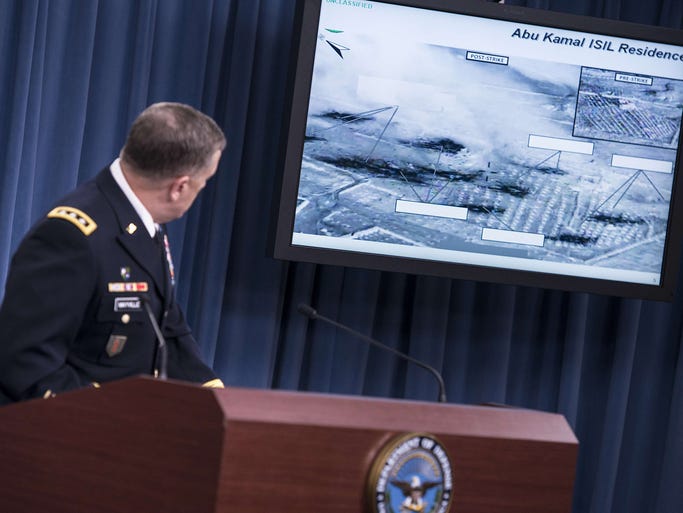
184, 360
50, 282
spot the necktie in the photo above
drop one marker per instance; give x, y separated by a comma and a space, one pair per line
162, 241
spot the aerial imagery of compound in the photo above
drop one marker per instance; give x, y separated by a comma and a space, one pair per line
456, 149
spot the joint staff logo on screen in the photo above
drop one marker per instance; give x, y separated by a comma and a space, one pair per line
412, 473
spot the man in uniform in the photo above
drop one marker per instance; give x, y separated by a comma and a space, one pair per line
74, 312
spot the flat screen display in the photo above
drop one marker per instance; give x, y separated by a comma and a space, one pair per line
488, 142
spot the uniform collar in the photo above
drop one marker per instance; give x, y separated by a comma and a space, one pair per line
145, 216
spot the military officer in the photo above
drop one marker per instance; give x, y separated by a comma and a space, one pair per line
74, 311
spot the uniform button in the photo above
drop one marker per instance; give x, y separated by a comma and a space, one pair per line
125, 318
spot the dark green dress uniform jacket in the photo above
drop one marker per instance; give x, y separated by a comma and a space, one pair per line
72, 314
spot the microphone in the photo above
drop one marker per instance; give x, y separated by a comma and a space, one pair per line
162, 349
312, 313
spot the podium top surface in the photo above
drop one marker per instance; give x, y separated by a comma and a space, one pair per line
236, 404
399, 414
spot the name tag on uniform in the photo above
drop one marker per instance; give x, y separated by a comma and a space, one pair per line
127, 304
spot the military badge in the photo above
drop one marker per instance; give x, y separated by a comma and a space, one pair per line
140, 286
125, 273
412, 473
115, 344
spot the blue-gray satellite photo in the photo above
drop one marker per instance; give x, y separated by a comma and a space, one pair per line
581, 158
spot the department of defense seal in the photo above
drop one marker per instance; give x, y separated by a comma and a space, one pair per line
411, 474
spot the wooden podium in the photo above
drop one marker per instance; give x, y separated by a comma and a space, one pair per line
145, 446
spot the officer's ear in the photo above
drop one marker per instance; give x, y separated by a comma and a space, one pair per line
178, 186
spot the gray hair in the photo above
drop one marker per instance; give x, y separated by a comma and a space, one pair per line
171, 139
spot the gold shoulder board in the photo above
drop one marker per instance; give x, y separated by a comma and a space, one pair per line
78, 218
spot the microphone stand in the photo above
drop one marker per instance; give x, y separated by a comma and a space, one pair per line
162, 349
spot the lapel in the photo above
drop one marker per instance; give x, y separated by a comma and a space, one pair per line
133, 236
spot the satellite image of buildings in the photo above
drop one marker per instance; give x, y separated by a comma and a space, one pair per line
455, 149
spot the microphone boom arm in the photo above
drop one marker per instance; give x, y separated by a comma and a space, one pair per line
313, 314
